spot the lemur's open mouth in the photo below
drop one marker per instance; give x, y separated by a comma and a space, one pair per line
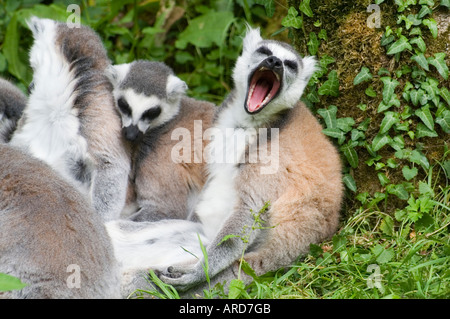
264, 86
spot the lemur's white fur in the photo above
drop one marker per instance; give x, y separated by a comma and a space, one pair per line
223, 154
167, 240
52, 127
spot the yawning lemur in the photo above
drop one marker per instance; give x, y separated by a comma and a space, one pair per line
154, 107
70, 120
304, 192
50, 237
12, 103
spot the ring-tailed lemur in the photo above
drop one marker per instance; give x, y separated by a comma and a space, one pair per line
70, 120
51, 239
154, 107
305, 190
12, 103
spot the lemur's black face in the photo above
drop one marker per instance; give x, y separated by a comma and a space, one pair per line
135, 132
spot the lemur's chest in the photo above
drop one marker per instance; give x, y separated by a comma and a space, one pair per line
224, 154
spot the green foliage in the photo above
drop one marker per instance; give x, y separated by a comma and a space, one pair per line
8, 283
200, 42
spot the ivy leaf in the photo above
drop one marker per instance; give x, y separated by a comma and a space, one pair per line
419, 158
415, 96
335, 133
439, 63
329, 116
421, 60
398, 190
389, 88
379, 141
425, 115
432, 25
409, 173
424, 11
362, 76
397, 143
390, 119
292, 19
350, 154
326, 60
370, 92
349, 181
423, 131
445, 3
445, 94
313, 43
345, 124
383, 107
400, 45
383, 179
331, 86
305, 8
444, 121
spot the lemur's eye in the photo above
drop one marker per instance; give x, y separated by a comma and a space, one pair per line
124, 106
264, 50
291, 65
151, 114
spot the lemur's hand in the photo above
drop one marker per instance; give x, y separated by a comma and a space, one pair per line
184, 277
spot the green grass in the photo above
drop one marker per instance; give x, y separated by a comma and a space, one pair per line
399, 257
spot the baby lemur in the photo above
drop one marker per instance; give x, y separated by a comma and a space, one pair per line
304, 189
155, 110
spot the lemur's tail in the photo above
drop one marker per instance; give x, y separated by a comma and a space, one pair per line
68, 65
12, 103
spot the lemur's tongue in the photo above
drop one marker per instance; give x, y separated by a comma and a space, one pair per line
264, 85
260, 92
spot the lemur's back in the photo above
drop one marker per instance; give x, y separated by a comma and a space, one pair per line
50, 237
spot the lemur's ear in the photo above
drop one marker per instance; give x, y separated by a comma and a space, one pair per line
175, 87
309, 67
117, 73
252, 38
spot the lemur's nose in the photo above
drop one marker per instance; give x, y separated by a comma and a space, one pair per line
273, 62
131, 132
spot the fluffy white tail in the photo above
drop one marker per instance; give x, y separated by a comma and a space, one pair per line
51, 128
